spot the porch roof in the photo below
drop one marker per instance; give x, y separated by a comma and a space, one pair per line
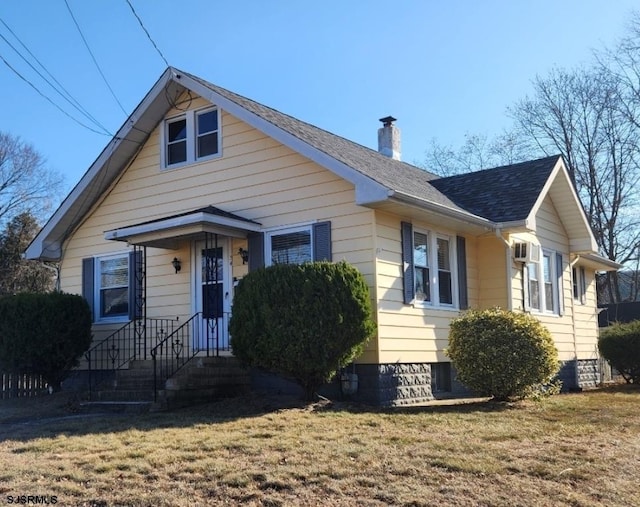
166, 232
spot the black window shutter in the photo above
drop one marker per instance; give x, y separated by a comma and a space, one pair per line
322, 241
255, 246
463, 294
525, 288
407, 261
136, 278
87, 284
559, 270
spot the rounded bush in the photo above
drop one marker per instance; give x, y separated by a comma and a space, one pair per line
304, 321
620, 345
43, 334
502, 354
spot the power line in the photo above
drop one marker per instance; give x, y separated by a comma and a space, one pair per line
48, 99
93, 57
68, 97
146, 31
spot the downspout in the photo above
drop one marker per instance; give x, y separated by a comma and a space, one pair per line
508, 268
573, 321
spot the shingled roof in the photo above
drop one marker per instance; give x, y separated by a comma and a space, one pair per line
399, 176
484, 198
502, 194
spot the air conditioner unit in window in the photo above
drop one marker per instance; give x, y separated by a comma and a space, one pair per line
526, 252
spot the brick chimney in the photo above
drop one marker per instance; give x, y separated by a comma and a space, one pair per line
389, 138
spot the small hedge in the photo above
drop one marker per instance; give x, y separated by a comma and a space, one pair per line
502, 354
620, 345
43, 334
303, 321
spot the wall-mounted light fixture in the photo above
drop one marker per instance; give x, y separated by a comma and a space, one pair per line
244, 254
177, 265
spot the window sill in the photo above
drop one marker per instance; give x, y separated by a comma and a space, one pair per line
189, 163
538, 313
112, 320
427, 306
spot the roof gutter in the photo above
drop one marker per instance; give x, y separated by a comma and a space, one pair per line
444, 210
507, 267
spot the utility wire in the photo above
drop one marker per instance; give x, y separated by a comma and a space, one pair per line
93, 57
68, 97
48, 99
147, 32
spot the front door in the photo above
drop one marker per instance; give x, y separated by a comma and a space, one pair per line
212, 295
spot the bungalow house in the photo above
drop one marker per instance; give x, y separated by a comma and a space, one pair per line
201, 185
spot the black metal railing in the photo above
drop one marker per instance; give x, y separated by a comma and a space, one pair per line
197, 335
131, 342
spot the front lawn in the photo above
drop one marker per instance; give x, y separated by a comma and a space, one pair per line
578, 449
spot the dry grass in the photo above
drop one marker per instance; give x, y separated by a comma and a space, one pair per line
580, 449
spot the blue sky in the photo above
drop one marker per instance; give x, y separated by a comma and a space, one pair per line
443, 68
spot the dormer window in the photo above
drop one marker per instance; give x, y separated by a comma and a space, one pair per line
191, 137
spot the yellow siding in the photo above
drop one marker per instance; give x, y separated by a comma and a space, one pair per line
551, 235
409, 334
492, 273
586, 320
256, 177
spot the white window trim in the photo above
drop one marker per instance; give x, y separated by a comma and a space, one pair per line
97, 286
192, 138
578, 278
278, 231
432, 249
541, 285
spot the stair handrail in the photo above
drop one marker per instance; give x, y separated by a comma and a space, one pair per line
173, 352
120, 347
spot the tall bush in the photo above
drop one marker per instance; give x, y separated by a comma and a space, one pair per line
43, 334
304, 321
620, 345
502, 354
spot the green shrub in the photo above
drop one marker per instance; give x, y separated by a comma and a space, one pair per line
43, 334
501, 353
303, 321
620, 345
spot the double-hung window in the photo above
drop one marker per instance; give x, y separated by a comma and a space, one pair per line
434, 268
191, 137
292, 246
298, 244
544, 283
112, 286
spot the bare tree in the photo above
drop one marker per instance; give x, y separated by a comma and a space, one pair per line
580, 115
477, 152
26, 184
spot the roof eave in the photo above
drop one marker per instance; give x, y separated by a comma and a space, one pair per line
446, 211
47, 245
598, 262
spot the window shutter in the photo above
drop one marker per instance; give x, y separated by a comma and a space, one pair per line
407, 261
559, 271
87, 283
463, 295
136, 279
525, 288
256, 250
583, 286
322, 241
